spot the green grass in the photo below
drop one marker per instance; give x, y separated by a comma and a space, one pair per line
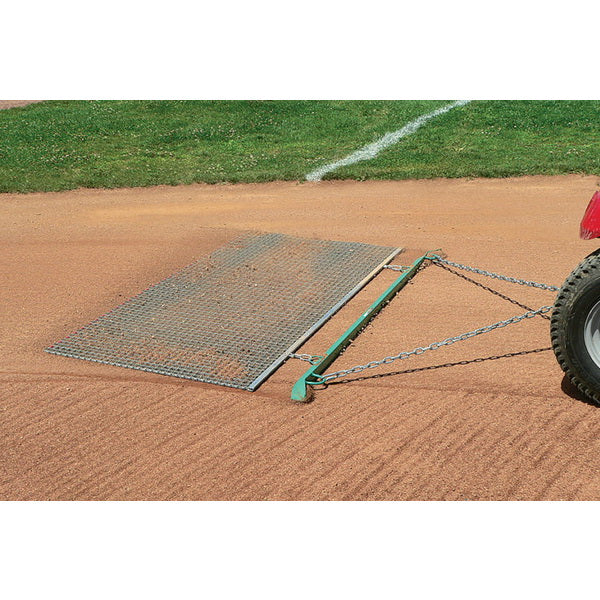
69, 144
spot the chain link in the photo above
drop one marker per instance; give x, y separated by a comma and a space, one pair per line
420, 350
400, 268
313, 359
542, 286
486, 288
320, 379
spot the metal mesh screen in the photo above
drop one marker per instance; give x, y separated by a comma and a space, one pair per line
233, 317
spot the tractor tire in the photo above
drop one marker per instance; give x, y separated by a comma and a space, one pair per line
575, 327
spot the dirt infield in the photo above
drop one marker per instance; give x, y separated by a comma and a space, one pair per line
497, 428
6, 104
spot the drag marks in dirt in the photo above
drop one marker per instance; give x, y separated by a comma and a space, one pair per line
67, 432
502, 429
97, 441
370, 151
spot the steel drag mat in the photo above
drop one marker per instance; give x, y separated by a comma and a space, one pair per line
233, 317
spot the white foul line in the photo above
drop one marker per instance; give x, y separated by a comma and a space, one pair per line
372, 150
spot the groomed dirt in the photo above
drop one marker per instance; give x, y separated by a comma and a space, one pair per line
6, 104
496, 428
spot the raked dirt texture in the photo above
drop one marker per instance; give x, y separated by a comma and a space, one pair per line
490, 418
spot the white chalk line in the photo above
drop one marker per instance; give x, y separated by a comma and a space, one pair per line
372, 150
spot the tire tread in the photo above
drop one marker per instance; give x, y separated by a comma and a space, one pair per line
590, 266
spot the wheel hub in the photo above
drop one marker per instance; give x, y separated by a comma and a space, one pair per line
591, 333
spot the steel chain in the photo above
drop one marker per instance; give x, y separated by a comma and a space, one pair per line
542, 286
320, 379
313, 359
420, 350
400, 268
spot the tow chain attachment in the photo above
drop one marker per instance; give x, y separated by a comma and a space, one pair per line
542, 286
313, 359
436, 259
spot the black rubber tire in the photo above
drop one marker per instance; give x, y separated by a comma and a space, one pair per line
577, 296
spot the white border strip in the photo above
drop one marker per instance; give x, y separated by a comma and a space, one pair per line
372, 150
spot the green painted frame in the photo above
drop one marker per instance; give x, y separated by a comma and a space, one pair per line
302, 390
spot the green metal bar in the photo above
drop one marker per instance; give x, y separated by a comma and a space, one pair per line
301, 392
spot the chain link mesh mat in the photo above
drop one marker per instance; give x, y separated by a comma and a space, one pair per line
233, 317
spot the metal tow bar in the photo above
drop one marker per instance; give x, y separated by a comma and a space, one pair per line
316, 375
302, 390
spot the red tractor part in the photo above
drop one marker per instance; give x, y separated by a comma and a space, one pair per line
590, 224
